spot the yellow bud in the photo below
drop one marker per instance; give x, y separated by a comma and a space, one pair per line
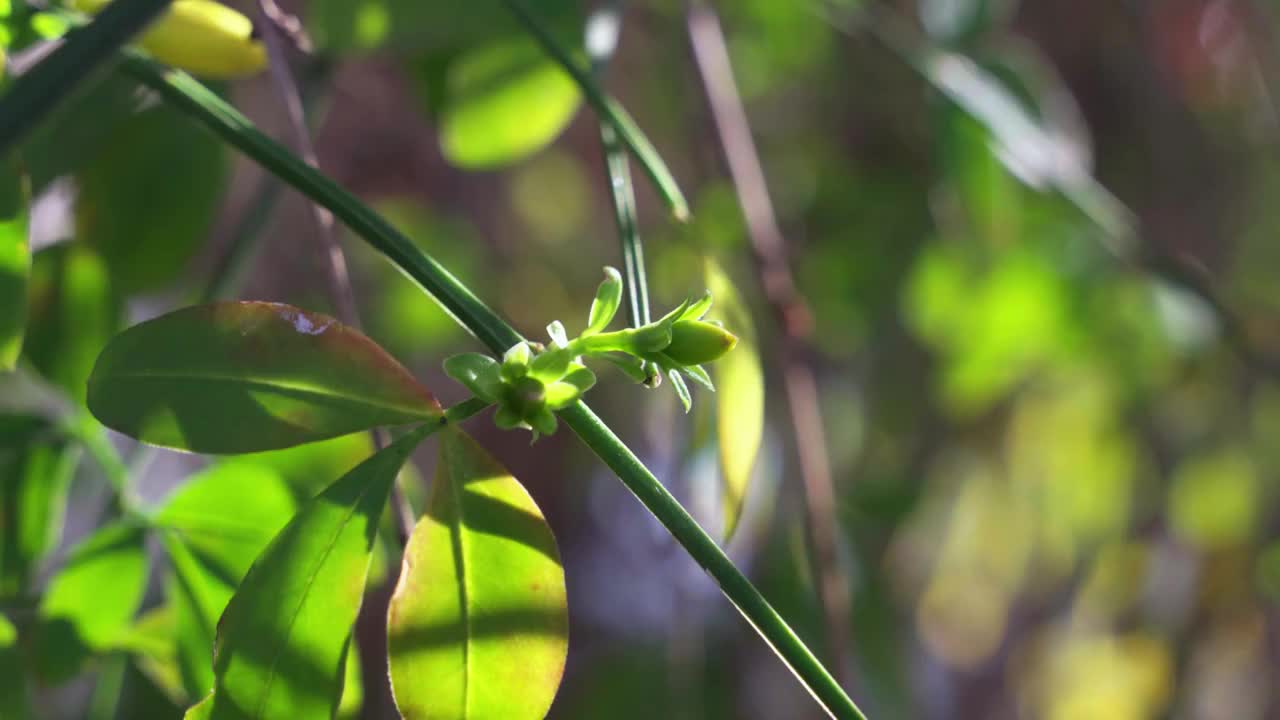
203, 37
694, 342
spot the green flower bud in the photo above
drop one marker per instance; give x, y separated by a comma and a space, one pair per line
694, 342
525, 396
605, 306
515, 363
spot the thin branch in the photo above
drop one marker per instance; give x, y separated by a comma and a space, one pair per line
204, 106
770, 253
341, 293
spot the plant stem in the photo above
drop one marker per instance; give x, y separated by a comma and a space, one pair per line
699, 544
609, 111
711, 56
225, 121
84, 50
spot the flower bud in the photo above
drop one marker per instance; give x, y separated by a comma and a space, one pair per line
694, 342
605, 306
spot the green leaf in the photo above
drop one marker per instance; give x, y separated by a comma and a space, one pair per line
153, 642
343, 25
228, 513
682, 390
605, 305
478, 624
34, 477
477, 372
739, 398
147, 221
13, 679
352, 703
310, 468
212, 536
15, 259
283, 637
74, 311
248, 376
89, 605
502, 103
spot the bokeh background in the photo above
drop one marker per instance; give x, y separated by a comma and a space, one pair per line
1038, 242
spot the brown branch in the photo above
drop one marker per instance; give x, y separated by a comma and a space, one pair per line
278, 25
795, 324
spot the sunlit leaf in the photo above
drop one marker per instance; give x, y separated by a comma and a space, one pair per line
502, 103
146, 221
739, 380
283, 638
352, 703
478, 624
249, 376
228, 513
89, 605
152, 642
74, 312
309, 468
15, 259
212, 536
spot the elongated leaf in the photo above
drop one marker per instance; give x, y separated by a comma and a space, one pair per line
247, 376
283, 637
739, 396
478, 624
503, 103
89, 605
15, 259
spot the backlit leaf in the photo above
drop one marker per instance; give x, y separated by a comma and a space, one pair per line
13, 685
248, 376
34, 475
478, 624
89, 605
503, 102
739, 381
15, 259
283, 638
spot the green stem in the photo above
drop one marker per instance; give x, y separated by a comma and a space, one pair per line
84, 50
610, 111
224, 120
698, 544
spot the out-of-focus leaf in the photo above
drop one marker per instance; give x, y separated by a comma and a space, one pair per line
34, 477
309, 468
478, 624
739, 396
15, 258
73, 313
13, 682
89, 605
228, 513
152, 641
284, 636
956, 20
419, 24
144, 216
352, 703
77, 129
502, 103
216, 525
247, 376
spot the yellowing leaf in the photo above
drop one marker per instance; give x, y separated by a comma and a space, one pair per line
478, 625
739, 396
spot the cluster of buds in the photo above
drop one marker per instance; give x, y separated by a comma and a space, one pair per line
532, 382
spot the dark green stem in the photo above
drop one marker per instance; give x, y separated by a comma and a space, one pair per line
224, 120
83, 51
